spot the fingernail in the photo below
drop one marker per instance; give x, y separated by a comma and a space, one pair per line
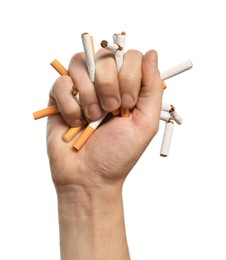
110, 104
127, 100
77, 122
94, 111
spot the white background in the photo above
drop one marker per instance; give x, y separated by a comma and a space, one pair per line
175, 207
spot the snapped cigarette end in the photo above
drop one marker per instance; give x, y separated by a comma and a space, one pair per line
59, 67
104, 43
164, 85
71, 133
83, 137
124, 112
51, 110
166, 141
116, 112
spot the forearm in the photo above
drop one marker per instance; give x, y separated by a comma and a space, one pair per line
92, 224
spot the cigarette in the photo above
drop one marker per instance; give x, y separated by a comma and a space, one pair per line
87, 133
171, 109
167, 137
187, 65
88, 46
52, 110
113, 47
71, 133
119, 39
59, 67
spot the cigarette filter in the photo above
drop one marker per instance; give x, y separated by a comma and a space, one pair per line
59, 67
176, 70
71, 133
88, 46
51, 110
167, 137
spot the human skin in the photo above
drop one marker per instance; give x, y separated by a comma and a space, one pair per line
89, 182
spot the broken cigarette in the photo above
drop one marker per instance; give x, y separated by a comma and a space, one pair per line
71, 133
165, 107
165, 116
51, 110
171, 109
113, 47
48, 111
87, 133
176, 70
166, 141
88, 46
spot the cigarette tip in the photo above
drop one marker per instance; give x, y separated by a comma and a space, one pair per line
104, 43
163, 155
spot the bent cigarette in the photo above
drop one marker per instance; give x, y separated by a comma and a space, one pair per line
164, 116
176, 70
87, 133
167, 137
171, 109
88, 46
52, 110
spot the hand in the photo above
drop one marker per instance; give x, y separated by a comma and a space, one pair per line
115, 146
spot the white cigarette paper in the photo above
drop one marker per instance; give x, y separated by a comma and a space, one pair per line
177, 118
89, 53
171, 109
165, 116
166, 141
166, 107
113, 47
119, 39
176, 70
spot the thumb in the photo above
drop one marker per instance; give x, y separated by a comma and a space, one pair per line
150, 98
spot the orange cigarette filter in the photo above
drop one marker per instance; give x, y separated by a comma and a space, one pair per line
71, 133
124, 112
51, 110
59, 67
83, 137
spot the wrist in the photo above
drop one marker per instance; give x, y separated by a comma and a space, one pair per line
92, 223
